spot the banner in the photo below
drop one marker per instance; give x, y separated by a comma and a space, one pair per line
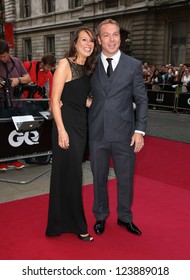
161, 98
17, 144
9, 34
184, 101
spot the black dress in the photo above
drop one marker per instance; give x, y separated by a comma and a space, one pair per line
66, 213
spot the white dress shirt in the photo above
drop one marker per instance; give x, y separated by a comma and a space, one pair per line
115, 60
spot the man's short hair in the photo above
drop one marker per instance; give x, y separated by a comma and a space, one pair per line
106, 21
4, 47
49, 59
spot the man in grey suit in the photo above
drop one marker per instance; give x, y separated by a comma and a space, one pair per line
114, 130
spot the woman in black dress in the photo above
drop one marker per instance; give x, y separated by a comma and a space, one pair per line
71, 88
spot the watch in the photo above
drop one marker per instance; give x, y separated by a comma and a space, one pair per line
19, 79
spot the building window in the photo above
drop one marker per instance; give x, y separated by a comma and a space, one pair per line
25, 8
76, 3
49, 6
178, 42
50, 44
111, 3
27, 49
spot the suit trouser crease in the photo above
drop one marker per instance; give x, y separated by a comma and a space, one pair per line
124, 160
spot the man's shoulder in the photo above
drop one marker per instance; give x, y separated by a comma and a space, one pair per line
98, 57
34, 62
126, 57
49, 74
16, 60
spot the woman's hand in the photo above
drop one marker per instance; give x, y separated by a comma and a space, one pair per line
63, 139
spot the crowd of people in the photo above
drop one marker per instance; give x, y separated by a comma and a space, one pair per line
167, 78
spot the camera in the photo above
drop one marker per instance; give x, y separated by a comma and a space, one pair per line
30, 88
5, 82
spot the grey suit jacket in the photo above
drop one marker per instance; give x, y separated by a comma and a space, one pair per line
111, 114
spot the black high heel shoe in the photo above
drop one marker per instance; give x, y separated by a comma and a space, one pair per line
88, 237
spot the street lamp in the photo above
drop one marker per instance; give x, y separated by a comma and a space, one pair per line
128, 42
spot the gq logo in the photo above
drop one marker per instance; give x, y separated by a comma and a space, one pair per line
16, 139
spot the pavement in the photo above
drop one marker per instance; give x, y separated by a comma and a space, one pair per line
169, 125
34, 179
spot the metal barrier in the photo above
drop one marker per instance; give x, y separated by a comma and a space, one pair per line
30, 141
16, 145
165, 99
183, 102
169, 99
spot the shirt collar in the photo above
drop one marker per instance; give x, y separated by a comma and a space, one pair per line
115, 56
115, 60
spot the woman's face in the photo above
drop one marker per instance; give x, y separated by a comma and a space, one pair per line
84, 45
186, 71
156, 72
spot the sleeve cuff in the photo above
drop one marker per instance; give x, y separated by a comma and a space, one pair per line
141, 132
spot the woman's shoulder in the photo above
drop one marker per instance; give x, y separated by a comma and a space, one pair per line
63, 64
63, 61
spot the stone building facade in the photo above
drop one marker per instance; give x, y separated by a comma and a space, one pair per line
155, 31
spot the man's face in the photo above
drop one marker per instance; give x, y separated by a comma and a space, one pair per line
5, 57
47, 68
109, 39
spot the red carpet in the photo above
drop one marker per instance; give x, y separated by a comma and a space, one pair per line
165, 161
160, 210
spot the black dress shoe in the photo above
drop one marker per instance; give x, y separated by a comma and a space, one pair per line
130, 227
99, 227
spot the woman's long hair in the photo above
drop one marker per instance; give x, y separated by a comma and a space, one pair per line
91, 60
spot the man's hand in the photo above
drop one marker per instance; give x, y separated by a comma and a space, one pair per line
138, 141
14, 82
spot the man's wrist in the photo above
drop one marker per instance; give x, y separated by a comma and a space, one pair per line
19, 80
141, 132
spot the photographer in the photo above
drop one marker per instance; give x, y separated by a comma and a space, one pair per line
41, 75
12, 74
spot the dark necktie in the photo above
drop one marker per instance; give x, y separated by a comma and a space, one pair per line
109, 69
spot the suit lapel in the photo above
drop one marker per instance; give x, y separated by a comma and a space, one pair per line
100, 76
